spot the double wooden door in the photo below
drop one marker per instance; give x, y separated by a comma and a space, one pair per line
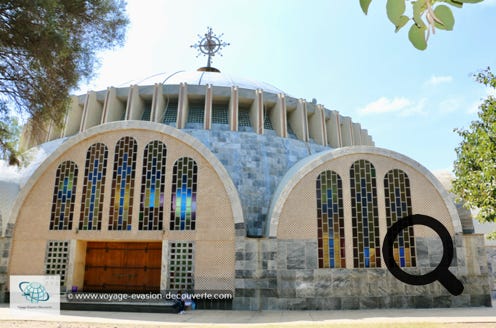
123, 266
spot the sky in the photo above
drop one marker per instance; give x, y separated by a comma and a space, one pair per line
409, 100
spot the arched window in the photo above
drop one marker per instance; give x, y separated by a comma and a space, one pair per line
93, 187
398, 205
121, 201
364, 215
183, 200
330, 220
64, 195
151, 215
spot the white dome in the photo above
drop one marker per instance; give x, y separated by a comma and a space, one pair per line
218, 79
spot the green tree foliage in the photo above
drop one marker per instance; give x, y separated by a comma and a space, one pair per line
475, 166
425, 17
46, 48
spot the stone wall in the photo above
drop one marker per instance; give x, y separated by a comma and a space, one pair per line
491, 258
5, 245
284, 275
256, 164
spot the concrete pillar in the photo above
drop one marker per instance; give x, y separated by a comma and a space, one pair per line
73, 117
346, 131
113, 109
207, 119
316, 125
278, 116
158, 103
333, 129
233, 109
93, 111
356, 134
298, 120
135, 104
182, 106
256, 113
364, 136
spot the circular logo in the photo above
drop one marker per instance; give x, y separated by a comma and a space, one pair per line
34, 291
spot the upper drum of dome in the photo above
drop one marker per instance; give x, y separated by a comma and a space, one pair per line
218, 79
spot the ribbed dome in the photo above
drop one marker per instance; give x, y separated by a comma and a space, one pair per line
218, 79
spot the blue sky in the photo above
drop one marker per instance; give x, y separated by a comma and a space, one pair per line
410, 101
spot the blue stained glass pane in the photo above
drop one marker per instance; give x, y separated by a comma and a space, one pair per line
152, 198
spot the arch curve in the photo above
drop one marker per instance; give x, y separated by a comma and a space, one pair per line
237, 212
307, 165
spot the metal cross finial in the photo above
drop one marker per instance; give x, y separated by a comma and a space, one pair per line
209, 45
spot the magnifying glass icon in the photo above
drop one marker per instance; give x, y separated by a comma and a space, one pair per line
441, 272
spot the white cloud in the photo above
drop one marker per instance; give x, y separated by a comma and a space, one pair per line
398, 105
436, 80
450, 105
385, 105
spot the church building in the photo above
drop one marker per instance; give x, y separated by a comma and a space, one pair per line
210, 182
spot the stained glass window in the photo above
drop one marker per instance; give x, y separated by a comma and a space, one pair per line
121, 204
93, 187
151, 214
183, 202
64, 195
181, 266
330, 221
364, 215
398, 205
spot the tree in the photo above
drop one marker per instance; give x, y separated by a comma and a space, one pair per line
475, 166
46, 48
425, 16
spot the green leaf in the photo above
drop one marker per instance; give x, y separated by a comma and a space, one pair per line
444, 14
395, 9
454, 3
469, 1
365, 5
416, 35
402, 22
419, 8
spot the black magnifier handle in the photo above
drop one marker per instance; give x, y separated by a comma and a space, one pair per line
450, 282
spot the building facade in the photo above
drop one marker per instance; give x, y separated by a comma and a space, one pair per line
214, 183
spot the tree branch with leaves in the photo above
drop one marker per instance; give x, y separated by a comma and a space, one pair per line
475, 166
425, 17
46, 48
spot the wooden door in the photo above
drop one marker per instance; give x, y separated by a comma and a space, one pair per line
123, 266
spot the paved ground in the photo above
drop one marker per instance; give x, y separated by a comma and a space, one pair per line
235, 318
